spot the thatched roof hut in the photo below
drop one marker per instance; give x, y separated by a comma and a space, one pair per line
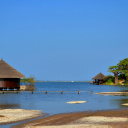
99, 78
9, 76
7, 71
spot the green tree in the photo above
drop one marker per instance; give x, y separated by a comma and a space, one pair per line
23, 80
29, 82
115, 70
123, 67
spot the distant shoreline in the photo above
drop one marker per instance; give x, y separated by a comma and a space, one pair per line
62, 81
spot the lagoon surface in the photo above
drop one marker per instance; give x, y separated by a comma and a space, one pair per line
55, 102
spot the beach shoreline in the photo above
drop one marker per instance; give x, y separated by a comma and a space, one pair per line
101, 118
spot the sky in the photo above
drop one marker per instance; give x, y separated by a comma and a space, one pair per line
63, 39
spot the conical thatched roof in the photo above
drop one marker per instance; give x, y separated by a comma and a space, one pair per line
100, 76
7, 71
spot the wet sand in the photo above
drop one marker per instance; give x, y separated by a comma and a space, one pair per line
94, 119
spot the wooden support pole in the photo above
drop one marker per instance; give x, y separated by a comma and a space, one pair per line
32, 92
16, 92
91, 92
45, 92
78, 92
61, 92
2, 92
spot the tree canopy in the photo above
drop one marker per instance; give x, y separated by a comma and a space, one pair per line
29, 81
123, 67
113, 69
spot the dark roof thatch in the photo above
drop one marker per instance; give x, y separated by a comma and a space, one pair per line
7, 71
100, 76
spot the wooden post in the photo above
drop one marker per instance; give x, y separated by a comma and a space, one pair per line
45, 92
32, 92
61, 92
78, 92
91, 92
16, 92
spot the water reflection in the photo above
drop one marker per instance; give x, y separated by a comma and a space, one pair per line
119, 102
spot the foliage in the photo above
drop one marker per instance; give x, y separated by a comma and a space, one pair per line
23, 80
118, 84
126, 83
29, 82
109, 77
123, 67
109, 82
121, 77
113, 69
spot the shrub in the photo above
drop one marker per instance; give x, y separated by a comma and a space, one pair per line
109, 77
126, 83
118, 84
109, 82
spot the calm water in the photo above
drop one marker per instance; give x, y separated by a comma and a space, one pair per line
54, 102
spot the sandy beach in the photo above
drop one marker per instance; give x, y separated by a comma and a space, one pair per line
95, 119
14, 115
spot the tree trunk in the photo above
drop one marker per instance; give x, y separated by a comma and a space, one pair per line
116, 78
